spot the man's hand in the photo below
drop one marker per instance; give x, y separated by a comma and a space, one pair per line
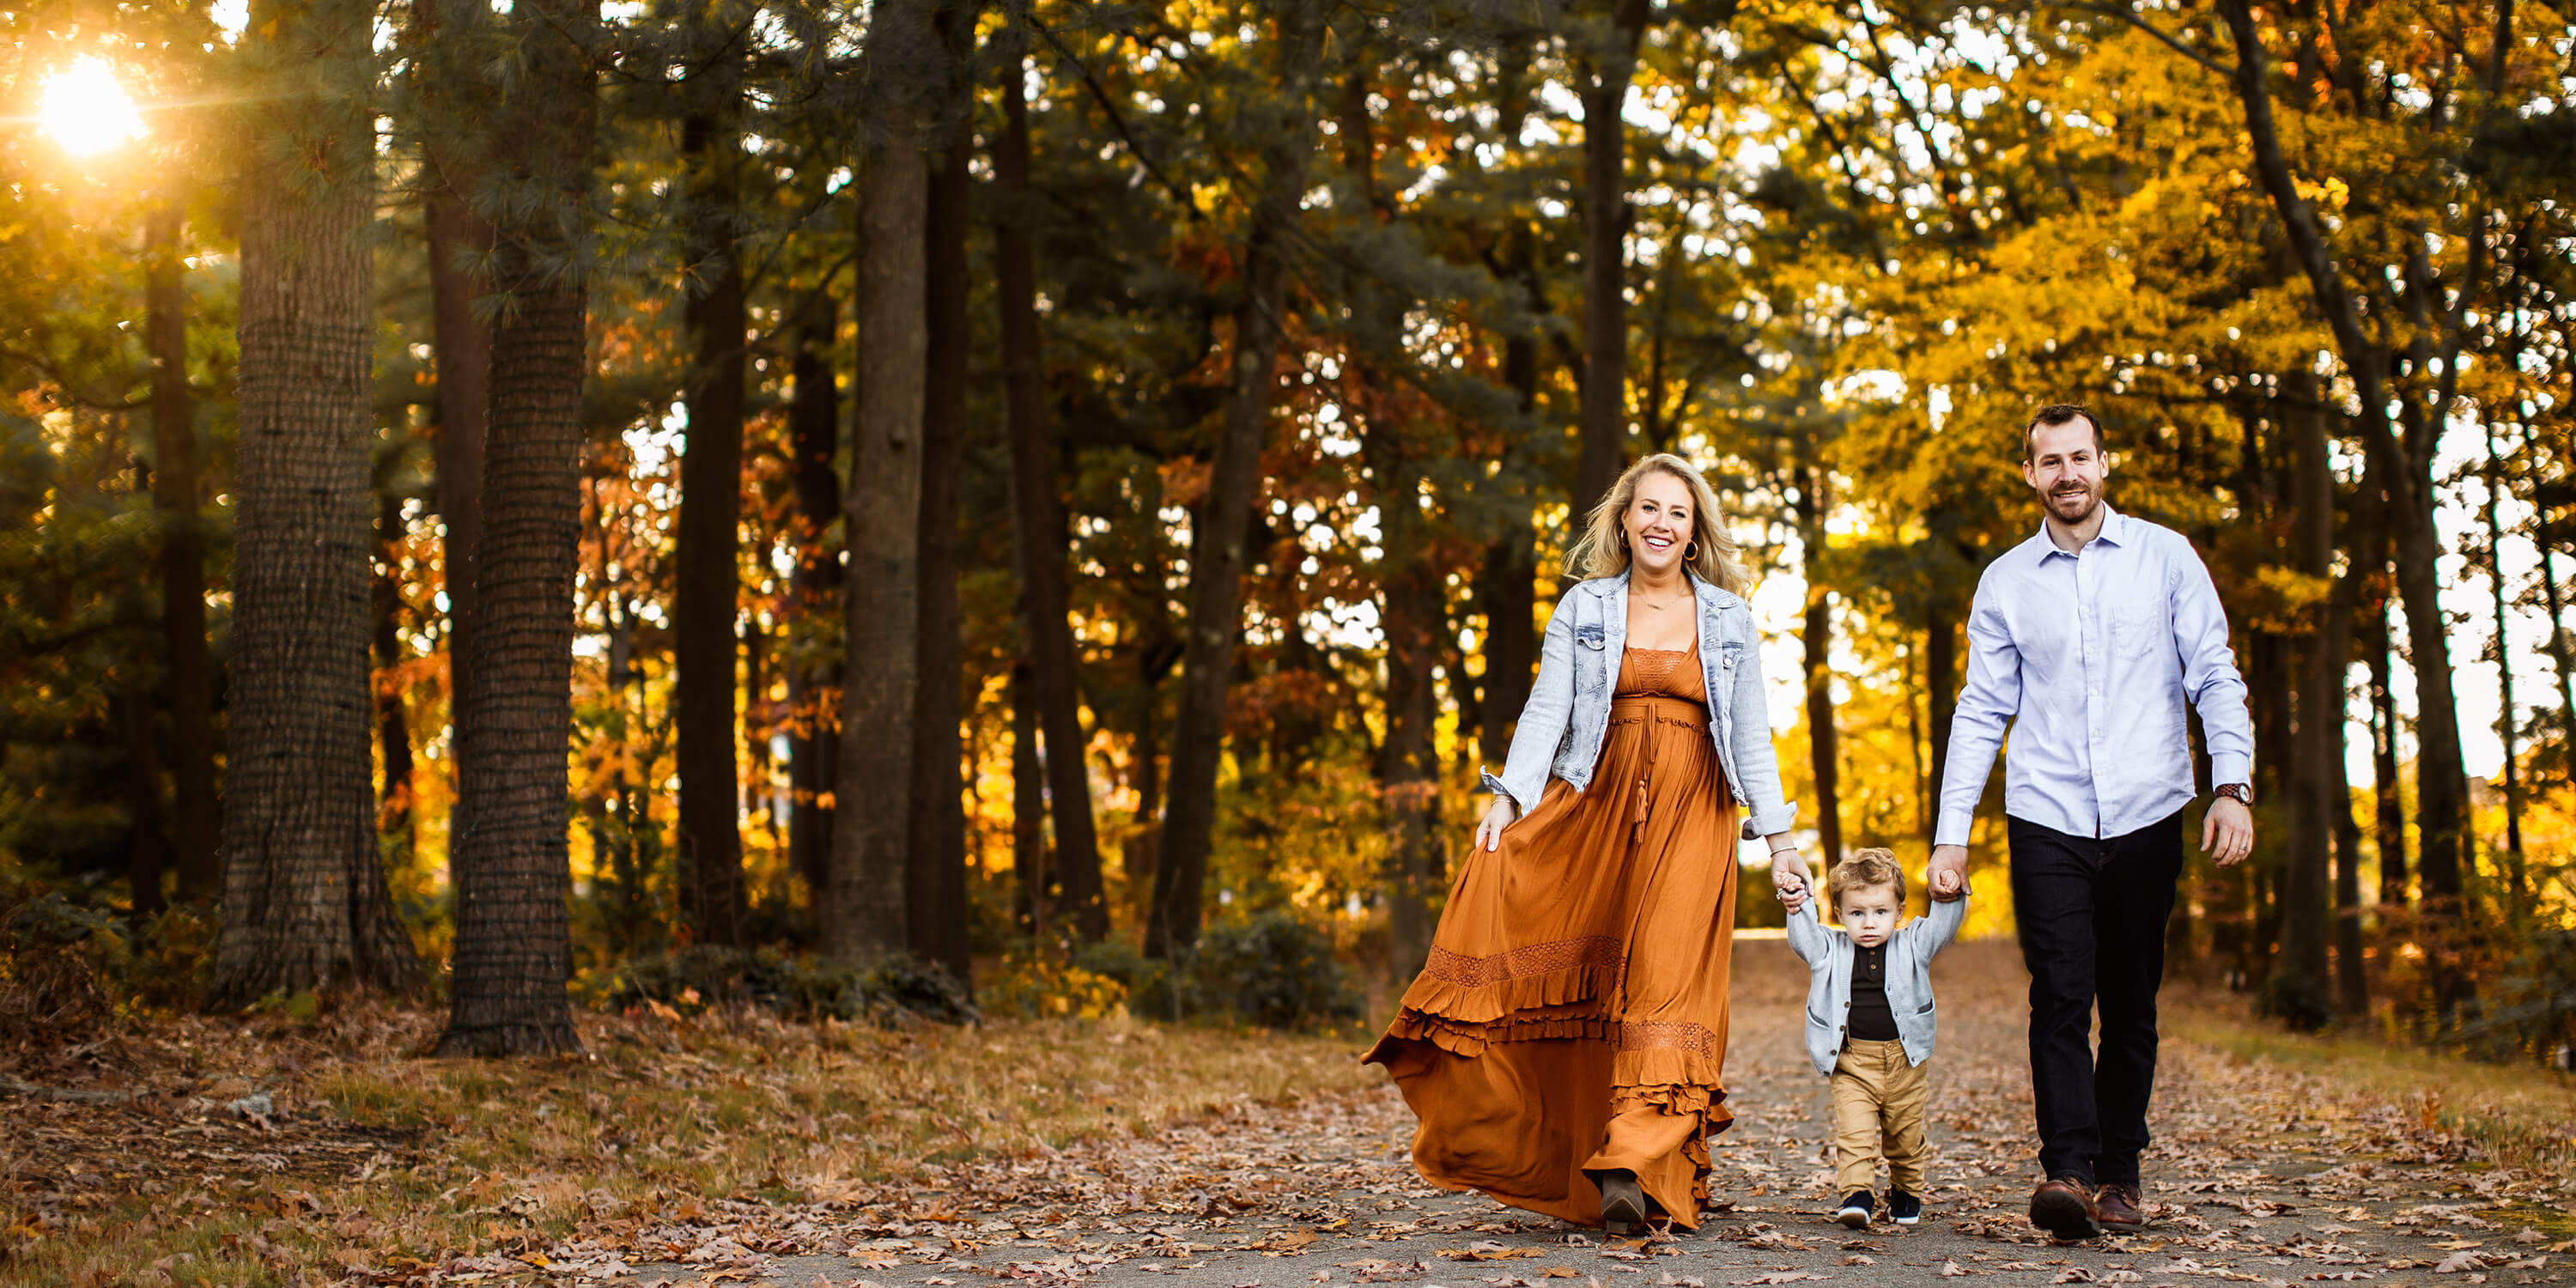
1948, 878
2227, 831
1790, 879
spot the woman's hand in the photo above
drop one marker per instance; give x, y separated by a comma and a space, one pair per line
1499, 815
1789, 878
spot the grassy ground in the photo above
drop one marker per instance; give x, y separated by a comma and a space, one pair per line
364, 1155
2520, 1115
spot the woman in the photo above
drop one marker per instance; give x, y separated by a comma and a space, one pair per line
1562, 1047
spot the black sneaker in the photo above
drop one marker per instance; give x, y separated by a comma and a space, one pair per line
1904, 1208
1855, 1209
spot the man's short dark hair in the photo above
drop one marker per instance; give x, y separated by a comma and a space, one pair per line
2056, 414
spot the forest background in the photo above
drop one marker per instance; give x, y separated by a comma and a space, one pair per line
1050, 502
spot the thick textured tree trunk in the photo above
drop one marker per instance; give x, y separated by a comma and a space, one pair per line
1220, 527
459, 239
1823, 747
1603, 437
513, 872
2300, 990
935, 877
305, 903
814, 675
197, 821
1038, 531
866, 915
393, 721
708, 578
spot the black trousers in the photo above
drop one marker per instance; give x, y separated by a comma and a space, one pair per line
2092, 916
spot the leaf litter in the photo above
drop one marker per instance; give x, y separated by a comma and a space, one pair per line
713, 1150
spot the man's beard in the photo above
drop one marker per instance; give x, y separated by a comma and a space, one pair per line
2082, 503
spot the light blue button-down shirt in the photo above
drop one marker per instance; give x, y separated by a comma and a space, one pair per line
2088, 658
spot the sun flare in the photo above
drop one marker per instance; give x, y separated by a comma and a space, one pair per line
86, 111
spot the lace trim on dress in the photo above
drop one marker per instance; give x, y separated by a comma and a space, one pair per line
1529, 959
1646, 1035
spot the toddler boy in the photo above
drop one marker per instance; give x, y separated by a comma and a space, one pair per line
1870, 1025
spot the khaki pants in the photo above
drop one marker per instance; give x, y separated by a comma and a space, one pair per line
1878, 1101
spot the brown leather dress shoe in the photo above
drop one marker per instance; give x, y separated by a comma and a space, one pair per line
2065, 1207
2116, 1207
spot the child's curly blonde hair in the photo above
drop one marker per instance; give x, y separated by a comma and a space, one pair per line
1866, 870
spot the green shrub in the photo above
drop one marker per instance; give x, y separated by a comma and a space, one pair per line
1273, 970
794, 985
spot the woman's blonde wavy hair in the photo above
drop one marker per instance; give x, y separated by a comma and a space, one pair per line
1603, 551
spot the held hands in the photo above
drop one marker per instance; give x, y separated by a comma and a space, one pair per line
1489, 829
2227, 831
1948, 878
1790, 879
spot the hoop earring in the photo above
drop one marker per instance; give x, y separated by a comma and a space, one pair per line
1690, 553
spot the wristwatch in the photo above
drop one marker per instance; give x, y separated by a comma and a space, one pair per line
2240, 793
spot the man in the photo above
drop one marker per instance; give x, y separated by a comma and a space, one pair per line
2087, 640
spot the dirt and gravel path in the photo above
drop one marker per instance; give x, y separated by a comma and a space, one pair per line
2259, 1175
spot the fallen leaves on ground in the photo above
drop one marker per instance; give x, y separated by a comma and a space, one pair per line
1056, 1153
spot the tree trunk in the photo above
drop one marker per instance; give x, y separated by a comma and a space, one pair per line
2352, 979
2441, 780
1220, 527
1508, 581
1824, 754
148, 853
708, 581
2561, 654
814, 675
459, 239
513, 874
2300, 989
190, 684
2507, 724
867, 914
935, 875
1603, 435
393, 723
1028, 807
2386, 789
305, 902
1412, 599
1038, 529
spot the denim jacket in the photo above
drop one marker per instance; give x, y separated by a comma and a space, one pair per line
1568, 715
1828, 951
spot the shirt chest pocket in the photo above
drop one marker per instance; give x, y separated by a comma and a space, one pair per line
2140, 631
1592, 636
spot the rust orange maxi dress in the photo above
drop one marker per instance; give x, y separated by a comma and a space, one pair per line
1572, 1015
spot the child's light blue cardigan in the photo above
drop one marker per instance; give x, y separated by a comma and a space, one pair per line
1828, 954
